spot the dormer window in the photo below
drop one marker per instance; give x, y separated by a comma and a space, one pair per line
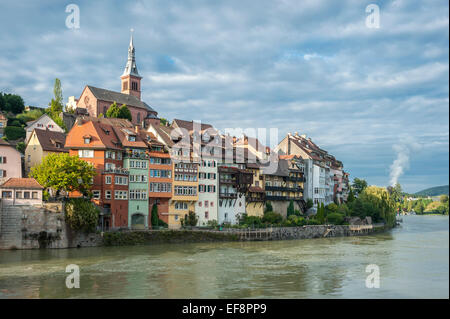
132, 138
87, 139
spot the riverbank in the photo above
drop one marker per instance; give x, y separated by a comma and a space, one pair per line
123, 238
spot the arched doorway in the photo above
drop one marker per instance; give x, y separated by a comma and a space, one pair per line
138, 221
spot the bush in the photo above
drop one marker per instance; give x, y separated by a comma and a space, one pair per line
14, 133
15, 123
272, 218
81, 214
335, 218
313, 222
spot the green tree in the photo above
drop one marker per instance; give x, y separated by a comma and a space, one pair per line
268, 208
163, 121
21, 147
320, 215
155, 218
12, 103
309, 203
113, 110
189, 219
271, 217
443, 199
13, 133
359, 185
63, 172
56, 105
335, 218
351, 196
290, 209
124, 113
81, 215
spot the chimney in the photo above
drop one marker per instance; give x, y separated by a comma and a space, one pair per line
296, 133
303, 135
136, 128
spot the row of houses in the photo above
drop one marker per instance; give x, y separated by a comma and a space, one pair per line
179, 167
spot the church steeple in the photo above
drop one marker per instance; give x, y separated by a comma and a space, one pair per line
131, 80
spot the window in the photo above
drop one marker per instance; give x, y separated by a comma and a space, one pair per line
132, 138
108, 179
96, 194
26, 195
18, 195
125, 85
29, 158
86, 153
6, 194
2, 160
121, 180
87, 140
120, 194
206, 215
206, 203
107, 194
34, 195
139, 117
110, 166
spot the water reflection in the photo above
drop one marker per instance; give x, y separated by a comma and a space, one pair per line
317, 268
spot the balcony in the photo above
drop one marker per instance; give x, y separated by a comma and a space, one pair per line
276, 198
284, 188
227, 180
252, 199
296, 179
141, 156
119, 171
228, 195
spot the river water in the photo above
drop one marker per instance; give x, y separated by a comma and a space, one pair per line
413, 262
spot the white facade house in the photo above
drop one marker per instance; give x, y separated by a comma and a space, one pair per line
231, 202
208, 201
43, 122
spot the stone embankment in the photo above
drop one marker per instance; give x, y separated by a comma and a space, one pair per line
28, 227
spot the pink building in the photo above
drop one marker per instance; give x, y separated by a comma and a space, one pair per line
21, 191
10, 161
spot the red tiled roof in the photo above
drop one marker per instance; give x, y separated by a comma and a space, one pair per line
27, 183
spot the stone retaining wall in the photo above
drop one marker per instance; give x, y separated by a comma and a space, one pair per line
28, 227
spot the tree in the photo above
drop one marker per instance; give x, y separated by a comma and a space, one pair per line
12, 103
113, 110
359, 185
290, 209
320, 215
13, 133
121, 112
21, 147
443, 199
190, 219
124, 113
272, 217
350, 197
155, 218
56, 105
63, 172
163, 121
81, 214
309, 203
268, 208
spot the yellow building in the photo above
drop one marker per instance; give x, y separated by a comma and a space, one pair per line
184, 192
255, 196
40, 144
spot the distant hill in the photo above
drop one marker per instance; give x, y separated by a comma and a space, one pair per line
433, 191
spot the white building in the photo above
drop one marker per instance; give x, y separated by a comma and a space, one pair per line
43, 122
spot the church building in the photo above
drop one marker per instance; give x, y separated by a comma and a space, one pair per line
97, 101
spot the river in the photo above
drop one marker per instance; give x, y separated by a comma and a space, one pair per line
413, 262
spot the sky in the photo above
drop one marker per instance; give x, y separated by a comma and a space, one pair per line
375, 98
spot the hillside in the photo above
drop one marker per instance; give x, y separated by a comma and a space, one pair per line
433, 191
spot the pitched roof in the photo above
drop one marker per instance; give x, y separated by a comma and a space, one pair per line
102, 136
29, 123
49, 140
2, 117
120, 98
189, 125
3, 142
28, 183
282, 169
122, 135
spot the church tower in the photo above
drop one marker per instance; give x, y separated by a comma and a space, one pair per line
131, 80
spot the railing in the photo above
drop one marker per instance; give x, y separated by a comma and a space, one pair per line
137, 156
122, 171
296, 179
284, 188
228, 195
273, 197
227, 180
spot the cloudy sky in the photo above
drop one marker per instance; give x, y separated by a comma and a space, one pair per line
370, 96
